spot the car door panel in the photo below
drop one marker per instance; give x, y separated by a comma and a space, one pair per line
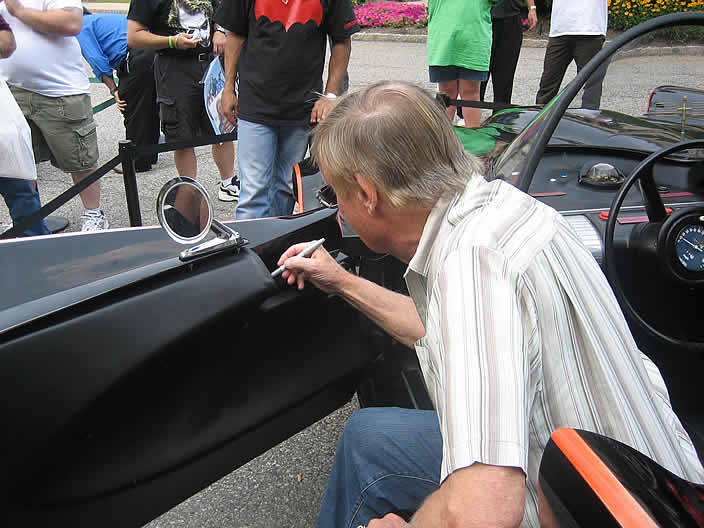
137, 397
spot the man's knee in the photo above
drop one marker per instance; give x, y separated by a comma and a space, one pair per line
367, 430
370, 432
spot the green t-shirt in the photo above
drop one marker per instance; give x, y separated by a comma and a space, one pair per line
459, 33
477, 141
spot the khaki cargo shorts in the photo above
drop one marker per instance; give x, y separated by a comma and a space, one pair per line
63, 130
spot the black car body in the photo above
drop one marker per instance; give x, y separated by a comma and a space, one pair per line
120, 397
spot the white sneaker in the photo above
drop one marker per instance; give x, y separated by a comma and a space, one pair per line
91, 221
229, 190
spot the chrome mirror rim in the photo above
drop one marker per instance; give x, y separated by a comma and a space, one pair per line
161, 207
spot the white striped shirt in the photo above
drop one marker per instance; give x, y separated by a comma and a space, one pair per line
524, 335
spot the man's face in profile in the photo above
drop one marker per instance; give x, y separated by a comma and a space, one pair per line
356, 213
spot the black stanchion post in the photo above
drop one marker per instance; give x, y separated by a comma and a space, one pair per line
129, 175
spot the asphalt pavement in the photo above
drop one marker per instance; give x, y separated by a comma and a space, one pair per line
283, 487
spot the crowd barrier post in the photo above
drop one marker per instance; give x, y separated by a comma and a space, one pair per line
127, 153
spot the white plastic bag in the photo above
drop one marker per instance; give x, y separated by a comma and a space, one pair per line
16, 155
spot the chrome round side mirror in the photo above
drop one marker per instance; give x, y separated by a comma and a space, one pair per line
184, 210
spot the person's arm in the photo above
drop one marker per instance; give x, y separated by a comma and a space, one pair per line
233, 49
65, 22
94, 55
394, 312
112, 86
487, 338
532, 14
337, 66
219, 39
139, 36
476, 496
7, 43
109, 82
472, 497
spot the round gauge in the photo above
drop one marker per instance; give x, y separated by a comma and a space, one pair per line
689, 246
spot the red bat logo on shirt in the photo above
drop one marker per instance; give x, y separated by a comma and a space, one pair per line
288, 12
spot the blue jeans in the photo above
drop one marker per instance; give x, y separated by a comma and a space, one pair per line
388, 461
22, 200
266, 156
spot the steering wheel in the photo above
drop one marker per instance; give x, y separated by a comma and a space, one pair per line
677, 240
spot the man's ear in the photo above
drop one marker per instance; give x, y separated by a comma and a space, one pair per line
368, 193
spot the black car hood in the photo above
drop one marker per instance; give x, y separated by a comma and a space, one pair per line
597, 129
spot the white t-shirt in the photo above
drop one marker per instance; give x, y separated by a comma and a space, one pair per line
45, 64
588, 17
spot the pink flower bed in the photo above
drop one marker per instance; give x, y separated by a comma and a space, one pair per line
391, 14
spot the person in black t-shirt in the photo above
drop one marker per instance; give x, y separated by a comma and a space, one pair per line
184, 34
507, 38
277, 49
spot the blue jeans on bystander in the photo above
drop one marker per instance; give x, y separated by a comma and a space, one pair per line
388, 461
22, 200
266, 156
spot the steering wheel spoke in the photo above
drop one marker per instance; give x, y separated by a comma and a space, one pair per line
654, 206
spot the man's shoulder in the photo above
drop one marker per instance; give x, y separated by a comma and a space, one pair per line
499, 217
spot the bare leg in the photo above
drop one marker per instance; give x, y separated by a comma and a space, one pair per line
91, 196
451, 88
469, 91
224, 157
185, 161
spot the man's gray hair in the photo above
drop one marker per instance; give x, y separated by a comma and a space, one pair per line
398, 136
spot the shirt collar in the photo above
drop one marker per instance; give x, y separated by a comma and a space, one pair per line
448, 210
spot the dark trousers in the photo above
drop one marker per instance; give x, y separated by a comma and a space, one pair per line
560, 52
507, 37
137, 87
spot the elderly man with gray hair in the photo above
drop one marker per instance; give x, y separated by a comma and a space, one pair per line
515, 327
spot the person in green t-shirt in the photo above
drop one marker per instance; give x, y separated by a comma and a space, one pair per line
459, 50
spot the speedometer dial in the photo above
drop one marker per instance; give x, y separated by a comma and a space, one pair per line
689, 246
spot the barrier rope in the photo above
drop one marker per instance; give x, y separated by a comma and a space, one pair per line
445, 100
105, 104
126, 157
